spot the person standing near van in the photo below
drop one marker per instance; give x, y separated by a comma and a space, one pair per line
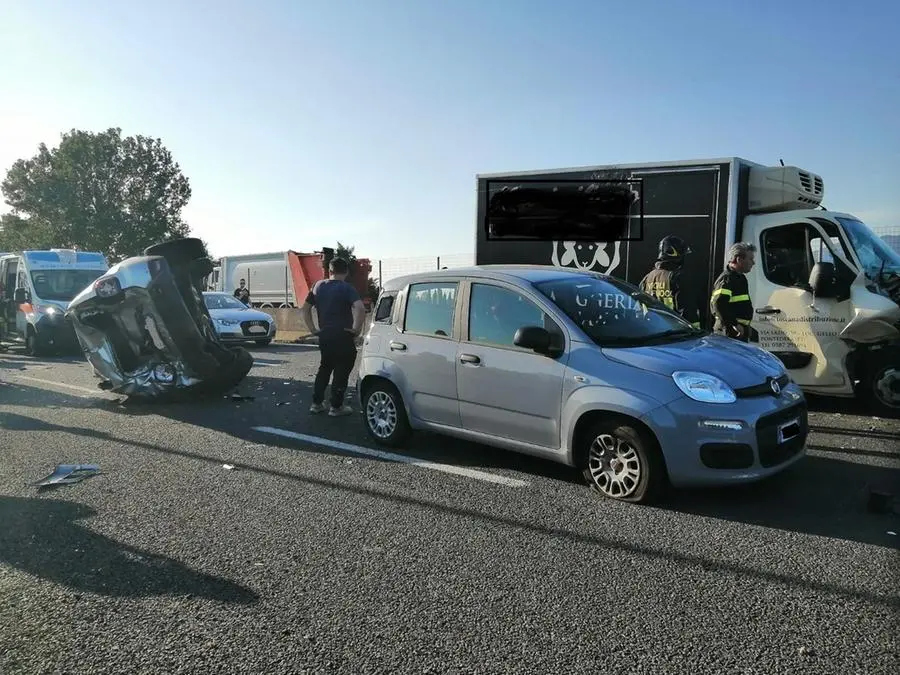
665, 282
242, 293
730, 302
341, 315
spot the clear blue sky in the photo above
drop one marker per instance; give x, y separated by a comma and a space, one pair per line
302, 123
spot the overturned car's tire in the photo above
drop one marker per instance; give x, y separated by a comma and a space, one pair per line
179, 253
234, 373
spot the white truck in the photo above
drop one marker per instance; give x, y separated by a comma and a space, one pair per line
267, 275
826, 289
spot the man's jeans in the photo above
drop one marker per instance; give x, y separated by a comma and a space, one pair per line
338, 356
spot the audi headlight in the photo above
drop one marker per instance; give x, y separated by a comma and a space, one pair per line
703, 387
227, 322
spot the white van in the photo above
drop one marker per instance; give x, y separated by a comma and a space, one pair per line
35, 290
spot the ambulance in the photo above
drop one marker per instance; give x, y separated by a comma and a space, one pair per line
35, 290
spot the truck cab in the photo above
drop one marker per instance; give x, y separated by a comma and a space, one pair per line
35, 290
826, 290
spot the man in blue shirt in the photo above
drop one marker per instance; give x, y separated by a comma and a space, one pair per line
341, 315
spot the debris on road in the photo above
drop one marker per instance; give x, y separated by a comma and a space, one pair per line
241, 397
229, 467
892, 533
67, 474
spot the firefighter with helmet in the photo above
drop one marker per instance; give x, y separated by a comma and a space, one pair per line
666, 283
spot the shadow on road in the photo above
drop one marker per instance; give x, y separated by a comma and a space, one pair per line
286, 406
822, 496
150, 582
842, 406
41, 537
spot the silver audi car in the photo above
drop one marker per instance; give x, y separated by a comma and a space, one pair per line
236, 322
579, 368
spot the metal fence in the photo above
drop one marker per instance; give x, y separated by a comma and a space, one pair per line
385, 269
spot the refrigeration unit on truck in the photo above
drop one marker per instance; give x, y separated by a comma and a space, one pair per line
826, 289
35, 290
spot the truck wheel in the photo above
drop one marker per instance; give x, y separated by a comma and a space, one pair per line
881, 383
384, 414
33, 346
622, 463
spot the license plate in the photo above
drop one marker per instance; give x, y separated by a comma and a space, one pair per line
788, 430
257, 329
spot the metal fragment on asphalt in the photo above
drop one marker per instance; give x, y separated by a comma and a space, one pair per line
67, 474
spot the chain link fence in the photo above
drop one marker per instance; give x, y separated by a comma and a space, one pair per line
385, 269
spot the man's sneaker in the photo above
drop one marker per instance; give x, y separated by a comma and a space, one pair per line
316, 408
340, 412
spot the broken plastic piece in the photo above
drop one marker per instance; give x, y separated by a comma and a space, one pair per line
228, 467
66, 474
239, 397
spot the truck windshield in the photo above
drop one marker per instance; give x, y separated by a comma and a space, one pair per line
874, 255
62, 284
613, 313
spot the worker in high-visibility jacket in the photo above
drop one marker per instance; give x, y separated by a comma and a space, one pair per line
730, 302
666, 283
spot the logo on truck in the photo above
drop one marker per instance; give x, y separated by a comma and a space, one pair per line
587, 255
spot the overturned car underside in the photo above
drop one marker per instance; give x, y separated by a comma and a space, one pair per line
145, 329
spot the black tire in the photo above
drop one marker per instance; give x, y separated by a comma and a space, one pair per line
264, 343
881, 368
238, 369
634, 450
33, 346
384, 396
179, 253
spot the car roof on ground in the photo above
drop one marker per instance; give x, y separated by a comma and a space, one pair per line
527, 273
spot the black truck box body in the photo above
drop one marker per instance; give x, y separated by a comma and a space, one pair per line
694, 200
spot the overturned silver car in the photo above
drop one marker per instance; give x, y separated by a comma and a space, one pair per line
145, 329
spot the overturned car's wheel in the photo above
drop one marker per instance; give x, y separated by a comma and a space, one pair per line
622, 462
178, 253
384, 414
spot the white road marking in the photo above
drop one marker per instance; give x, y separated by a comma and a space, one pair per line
94, 393
391, 457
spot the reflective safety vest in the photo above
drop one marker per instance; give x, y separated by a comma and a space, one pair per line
730, 302
664, 282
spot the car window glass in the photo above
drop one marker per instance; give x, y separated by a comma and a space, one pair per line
495, 314
430, 308
384, 309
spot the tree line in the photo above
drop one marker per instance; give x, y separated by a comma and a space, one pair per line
99, 192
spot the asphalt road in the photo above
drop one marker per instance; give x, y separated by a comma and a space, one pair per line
310, 558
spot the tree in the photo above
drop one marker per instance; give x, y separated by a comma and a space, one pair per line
96, 192
17, 234
347, 253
